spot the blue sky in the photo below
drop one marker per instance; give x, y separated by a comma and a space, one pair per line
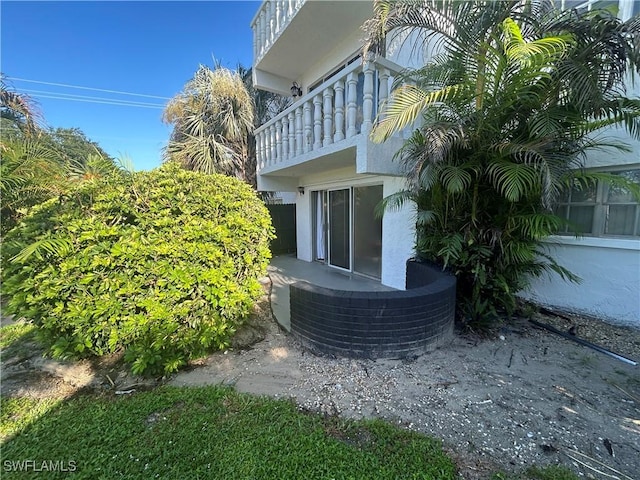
146, 47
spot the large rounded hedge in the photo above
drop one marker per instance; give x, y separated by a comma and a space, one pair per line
163, 264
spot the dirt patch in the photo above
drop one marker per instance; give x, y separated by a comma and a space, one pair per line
519, 397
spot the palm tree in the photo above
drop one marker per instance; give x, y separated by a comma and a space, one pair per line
506, 113
212, 118
17, 109
29, 174
38, 162
266, 105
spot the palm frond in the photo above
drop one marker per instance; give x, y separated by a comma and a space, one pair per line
53, 246
513, 180
405, 105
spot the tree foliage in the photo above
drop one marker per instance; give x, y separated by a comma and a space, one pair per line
503, 116
73, 147
40, 162
212, 118
17, 110
161, 264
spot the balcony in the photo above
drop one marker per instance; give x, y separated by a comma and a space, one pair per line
270, 21
293, 38
334, 118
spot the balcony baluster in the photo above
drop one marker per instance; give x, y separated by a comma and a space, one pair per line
285, 138
321, 119
328, 116
299, 133
367, 96
352, 96
278, 140
338, 87
317, 122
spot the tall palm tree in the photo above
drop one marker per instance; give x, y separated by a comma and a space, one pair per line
506, 112
266, 105
211, 118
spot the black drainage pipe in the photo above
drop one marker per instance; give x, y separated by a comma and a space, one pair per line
579, 340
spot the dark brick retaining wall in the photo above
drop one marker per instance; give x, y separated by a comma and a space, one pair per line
395, 324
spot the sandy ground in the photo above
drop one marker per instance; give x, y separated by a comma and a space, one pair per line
525, 397
520, 397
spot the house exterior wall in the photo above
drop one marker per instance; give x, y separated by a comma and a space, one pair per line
398, 230
398, 237
610, 273
608, 266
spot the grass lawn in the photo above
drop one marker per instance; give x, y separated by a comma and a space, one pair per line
210, 432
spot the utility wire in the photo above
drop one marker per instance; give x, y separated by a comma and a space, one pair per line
73, 96
121, 104
88, 88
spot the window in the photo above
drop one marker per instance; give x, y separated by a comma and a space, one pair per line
590, 4
602, 209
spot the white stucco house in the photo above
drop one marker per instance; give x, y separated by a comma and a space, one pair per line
319, 149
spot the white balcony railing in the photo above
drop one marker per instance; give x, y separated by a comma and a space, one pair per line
339, 109
271, 19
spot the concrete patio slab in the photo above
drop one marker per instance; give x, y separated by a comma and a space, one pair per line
287, 269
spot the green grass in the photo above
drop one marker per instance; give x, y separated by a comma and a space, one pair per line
214, 432
17, 339
16, 333
17, 413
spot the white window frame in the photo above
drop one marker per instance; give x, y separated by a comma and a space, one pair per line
601, 208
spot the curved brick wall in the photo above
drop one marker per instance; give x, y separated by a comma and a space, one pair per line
396, 324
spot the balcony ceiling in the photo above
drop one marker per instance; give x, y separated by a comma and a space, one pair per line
312, 165
315, 31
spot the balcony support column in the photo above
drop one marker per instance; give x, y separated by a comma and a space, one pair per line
338, 87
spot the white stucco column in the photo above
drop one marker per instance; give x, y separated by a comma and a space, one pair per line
398, 237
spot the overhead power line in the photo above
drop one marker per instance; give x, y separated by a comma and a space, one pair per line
111, 102
88, 88
90, 99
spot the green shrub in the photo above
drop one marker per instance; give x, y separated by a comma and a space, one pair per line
164, 264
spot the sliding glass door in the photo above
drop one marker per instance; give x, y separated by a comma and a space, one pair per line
347, 234
367, 231
339, 228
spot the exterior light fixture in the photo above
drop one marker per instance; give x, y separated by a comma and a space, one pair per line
301, 190
296, 91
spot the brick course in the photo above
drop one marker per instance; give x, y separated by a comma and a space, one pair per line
396, 324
